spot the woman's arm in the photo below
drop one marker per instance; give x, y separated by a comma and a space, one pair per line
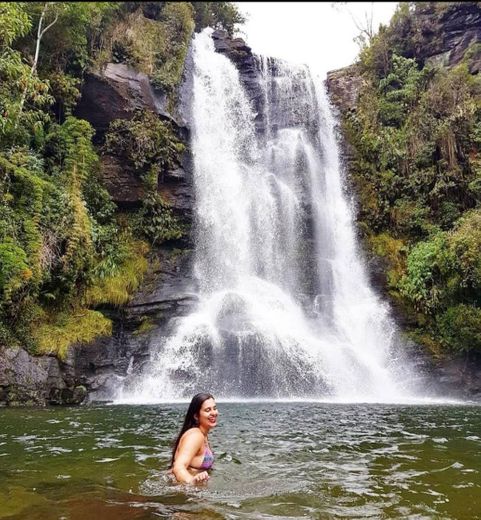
190, 444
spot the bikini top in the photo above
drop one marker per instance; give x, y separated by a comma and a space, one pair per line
207, 461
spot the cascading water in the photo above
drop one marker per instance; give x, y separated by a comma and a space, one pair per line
285, 309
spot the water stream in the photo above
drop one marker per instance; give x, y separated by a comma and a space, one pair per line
285, 306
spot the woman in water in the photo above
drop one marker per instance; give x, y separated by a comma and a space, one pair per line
191, 455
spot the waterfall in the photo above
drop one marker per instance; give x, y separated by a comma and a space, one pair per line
285, 307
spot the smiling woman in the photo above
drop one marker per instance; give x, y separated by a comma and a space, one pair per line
191, 455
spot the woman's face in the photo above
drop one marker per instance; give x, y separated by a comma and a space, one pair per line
208, 414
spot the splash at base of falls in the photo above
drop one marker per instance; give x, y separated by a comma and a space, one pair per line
285, 308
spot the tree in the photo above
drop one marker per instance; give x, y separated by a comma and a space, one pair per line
41, 30
218, 15
364, 25
18, 83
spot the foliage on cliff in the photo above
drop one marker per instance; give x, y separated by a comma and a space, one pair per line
416, 139
150, 146
154, 36
65, 250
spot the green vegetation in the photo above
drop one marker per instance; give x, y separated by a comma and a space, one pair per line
156, 46
113, 284
219, 15
66, 251
149, 146
154, 37
55, 335
416, 134
145, 326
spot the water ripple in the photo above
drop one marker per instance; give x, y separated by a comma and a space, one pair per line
273, 460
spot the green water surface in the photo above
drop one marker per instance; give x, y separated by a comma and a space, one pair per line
273, 461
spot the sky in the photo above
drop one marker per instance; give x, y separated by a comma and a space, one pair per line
319, 34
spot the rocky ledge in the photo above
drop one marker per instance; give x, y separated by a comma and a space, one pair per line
117, 92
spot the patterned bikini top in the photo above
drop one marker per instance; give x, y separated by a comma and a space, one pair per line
208, 459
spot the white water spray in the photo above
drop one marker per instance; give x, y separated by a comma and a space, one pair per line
285, 307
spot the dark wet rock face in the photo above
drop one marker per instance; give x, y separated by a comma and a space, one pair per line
448, 35
241, 55
122, 183
117, 92
27, 380
167, 290
462, 376
248, 66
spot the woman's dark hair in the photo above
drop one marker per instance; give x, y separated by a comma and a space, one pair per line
190, 421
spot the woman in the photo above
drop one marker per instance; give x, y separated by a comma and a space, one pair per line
191, 455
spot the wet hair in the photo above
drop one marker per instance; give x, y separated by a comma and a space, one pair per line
190, 421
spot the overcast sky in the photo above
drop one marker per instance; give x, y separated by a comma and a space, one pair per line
319, 34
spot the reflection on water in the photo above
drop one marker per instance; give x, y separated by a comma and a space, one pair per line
273, 460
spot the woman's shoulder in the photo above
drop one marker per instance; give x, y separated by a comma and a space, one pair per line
194, 434
193, 437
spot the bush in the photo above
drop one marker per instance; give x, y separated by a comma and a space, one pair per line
218, 15
428, 265
394, 251
465, 244
60, 331
115, 284
156, 45
460, 327
143, 141
14, 269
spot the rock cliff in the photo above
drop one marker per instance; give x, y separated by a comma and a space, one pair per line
447, 32
443, 35
116, 92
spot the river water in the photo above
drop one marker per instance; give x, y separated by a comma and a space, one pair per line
274, 460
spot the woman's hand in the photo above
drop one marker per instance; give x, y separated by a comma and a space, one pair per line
200, 477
